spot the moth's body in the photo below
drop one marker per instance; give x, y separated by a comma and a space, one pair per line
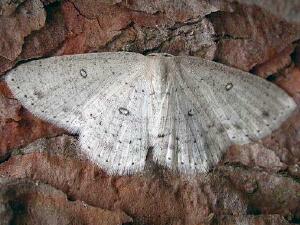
188, 111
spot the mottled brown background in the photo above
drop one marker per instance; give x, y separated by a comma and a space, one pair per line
45, 180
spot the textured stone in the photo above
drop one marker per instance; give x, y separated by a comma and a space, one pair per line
84, 34
6, 213
84, 26
35, 203
29, 17
18, 127
297, 54
276, 64
7, 7
53, 33
176, 9
254, 156
266, 193
5, 65
116, 28
52, 161
65, 145
161, 195
257, 220
289, 80
294, 170
285, 142
223, 198
250, 36
156, 198
287, 9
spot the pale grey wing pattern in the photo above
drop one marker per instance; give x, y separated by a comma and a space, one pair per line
116, 134
249, 107
57, 88
189, 110
187, 133
208, 107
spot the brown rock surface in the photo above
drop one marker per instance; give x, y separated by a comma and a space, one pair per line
175, 9
151, 198
289, 80
27, 202
28, 17
7, 7
285, 141
278, 63
260, 178
288, 9
250, 36
84, 26
257, 220
254, 156
53, 33
18, 127
266, 193
162, 197
116, 28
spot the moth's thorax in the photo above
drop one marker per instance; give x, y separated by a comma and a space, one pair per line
161, 69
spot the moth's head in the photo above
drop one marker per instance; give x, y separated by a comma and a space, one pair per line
160, 61
160, 55
159, 65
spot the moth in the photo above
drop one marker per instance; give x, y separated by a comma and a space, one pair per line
185, 111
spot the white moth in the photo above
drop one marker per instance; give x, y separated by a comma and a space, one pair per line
184, 110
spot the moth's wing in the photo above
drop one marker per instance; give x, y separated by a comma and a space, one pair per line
183, 140
209, 107
57, 88
116, 134
248, 105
